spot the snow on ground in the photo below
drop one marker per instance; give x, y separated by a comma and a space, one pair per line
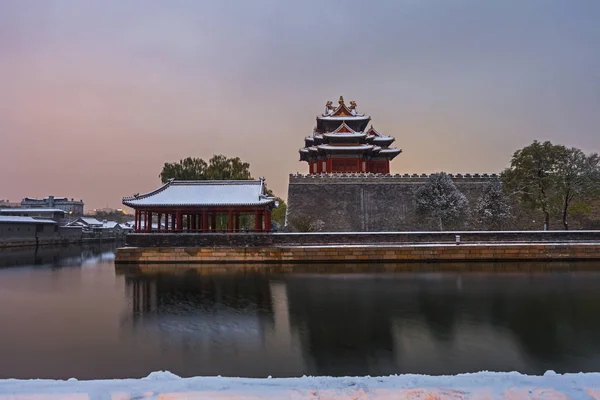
165, 385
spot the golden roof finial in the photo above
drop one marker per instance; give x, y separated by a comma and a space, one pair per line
341, 100
352, 105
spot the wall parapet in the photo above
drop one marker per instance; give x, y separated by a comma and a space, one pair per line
245, 240
383, 178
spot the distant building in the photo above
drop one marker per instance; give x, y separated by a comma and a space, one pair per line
106, 211
8, 204
74, 207
14, 229
87, 222
54, 214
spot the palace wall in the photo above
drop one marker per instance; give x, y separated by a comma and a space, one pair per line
366, 202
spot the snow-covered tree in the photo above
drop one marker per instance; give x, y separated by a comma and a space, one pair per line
493, 210
552, 178
440, 204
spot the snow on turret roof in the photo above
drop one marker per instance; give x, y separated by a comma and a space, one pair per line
391, 151
9, 219
345, 135
204, 193
342, 111
345, 148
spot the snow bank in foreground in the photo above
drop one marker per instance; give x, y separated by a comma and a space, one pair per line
165, 385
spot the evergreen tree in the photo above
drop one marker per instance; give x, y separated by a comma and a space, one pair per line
440, 204
493, 210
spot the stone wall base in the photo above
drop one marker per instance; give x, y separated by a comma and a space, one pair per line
360, 254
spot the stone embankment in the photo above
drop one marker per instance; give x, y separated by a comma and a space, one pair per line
367, 248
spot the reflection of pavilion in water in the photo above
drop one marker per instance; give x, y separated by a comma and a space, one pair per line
356, 324
213, 318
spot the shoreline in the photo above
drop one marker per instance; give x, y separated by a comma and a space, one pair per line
371, 253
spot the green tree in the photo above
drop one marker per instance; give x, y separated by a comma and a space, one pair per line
219, 167
440, 204
578, 175
551, 178
531, 177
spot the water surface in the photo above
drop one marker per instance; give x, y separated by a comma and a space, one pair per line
66, 312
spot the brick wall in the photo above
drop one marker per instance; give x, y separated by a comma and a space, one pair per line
376, 203
353, 254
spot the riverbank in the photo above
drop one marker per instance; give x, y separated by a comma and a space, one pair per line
58, 242
480, 385
366, 253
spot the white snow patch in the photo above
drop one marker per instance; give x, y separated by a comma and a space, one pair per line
162, 376
164, 384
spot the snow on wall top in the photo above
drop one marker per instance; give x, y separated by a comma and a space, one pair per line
9, 219
31, 210
204, 193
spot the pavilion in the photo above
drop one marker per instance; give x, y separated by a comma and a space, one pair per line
196, 206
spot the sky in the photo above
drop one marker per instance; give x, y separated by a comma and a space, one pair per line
95, 96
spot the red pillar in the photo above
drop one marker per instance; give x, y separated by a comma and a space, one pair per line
237, 221
213, 221
159, 217
149, 221
135, 221
268, 220
230, 221
179, 222
204, 221
257, 221
193, 222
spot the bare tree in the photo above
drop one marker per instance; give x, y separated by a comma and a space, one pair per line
577, 175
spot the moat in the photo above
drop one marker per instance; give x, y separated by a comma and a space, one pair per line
67, 312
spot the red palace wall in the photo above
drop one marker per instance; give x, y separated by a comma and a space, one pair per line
336, 165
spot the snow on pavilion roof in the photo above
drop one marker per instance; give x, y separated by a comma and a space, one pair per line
204, 193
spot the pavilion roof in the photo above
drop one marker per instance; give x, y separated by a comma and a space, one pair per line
204, 193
